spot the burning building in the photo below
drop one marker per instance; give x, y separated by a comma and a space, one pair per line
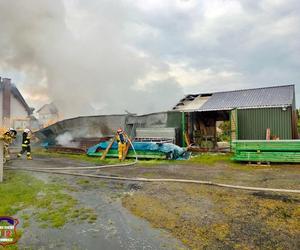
48, 115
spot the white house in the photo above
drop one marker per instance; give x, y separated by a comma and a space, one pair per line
48, 114
14, 110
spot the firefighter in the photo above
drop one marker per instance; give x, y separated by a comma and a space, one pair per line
122, 142
8, 137
26, 144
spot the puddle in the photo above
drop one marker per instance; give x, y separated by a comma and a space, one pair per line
115, 227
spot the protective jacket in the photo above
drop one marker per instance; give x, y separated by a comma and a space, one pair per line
121, 138
25, 140
7, 138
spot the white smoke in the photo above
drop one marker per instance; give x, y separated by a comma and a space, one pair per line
76, 54
66, 140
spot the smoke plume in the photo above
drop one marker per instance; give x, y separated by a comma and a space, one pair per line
66, 140
76, 54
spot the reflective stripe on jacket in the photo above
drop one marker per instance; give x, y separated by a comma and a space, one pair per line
25, 140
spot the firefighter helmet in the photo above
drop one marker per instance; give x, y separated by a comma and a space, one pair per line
12, 131
27, 130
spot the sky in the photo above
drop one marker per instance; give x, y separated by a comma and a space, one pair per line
111, 56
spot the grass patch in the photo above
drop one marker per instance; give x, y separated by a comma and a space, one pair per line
211, 218
210, 158
51, 205
204, 158
199, 159
83, 182
80, 157
18, 191
188, 231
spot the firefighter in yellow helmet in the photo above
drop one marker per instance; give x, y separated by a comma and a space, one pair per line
26, 144
8, 137
122, 142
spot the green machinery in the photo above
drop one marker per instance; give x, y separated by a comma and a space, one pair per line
287, 151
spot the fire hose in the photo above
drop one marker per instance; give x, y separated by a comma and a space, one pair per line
140, 179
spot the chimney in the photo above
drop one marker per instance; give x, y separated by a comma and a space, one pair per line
6, 101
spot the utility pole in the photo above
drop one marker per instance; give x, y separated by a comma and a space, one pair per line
1, 152
1, 160
1, 142
5, 115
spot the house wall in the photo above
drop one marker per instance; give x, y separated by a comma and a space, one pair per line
18, 114
48, 119
253, 123
20, 124
1, 105
6, 107
17, 109
12, 111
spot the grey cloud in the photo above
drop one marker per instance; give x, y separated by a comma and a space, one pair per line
249, 43
103, 64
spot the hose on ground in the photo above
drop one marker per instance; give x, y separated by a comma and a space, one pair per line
92, 167
139, 179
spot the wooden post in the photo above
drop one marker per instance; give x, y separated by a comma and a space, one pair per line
127, 147
1, 143
1, 160
183, 128
268, 134
108, 148
1, 153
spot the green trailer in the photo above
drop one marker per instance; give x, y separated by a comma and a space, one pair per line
285, 151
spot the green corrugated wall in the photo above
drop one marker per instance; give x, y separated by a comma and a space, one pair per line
252, 123
175, 120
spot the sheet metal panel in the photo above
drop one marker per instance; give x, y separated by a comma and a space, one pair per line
156, 133
277, 96
253, 123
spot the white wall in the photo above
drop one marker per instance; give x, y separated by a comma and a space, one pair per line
17, 110
18, 114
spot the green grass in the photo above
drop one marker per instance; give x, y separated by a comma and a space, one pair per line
51, 206
210, 158
204, 158
198, 159
81, 157
18, 191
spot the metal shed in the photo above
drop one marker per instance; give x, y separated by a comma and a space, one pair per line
251, 112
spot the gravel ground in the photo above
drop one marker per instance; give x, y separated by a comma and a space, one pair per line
184, 215
115, 227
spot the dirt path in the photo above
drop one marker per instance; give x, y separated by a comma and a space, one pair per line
115, 227
201, 217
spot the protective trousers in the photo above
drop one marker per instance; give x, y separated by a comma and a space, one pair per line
24, 149
6, 155
121, 150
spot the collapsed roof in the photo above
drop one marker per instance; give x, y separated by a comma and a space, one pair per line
268, 97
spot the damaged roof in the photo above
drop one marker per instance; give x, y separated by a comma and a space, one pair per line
18, 95
276, 96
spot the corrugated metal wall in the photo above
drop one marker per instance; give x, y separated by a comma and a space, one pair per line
252, 123
167, 133
175, 121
